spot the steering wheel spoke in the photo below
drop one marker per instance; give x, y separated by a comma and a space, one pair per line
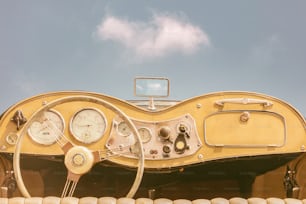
62, 140
97, 156
66, 147
70, 185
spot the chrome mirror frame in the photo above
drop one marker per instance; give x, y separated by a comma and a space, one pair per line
151, 87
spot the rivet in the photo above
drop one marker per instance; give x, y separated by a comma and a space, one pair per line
245, 116
3, 147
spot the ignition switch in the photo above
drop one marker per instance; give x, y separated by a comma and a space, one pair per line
180, 144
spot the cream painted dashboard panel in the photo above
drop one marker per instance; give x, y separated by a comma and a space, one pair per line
206, 120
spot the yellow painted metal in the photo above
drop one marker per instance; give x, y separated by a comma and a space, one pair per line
277, 128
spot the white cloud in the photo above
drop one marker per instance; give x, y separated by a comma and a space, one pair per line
161, 36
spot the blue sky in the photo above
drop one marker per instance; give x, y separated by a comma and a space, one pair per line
201, 46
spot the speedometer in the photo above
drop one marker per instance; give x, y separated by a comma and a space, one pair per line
47, 128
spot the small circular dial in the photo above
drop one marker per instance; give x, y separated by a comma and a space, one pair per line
12, 138
88, 125
47, 128
124, 129
145, 134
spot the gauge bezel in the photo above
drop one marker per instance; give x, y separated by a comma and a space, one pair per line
140, 134
79, 138
120, 132
38, 139
11, 138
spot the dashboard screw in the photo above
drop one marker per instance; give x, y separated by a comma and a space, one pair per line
3, 147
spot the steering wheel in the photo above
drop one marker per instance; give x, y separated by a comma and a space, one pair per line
78, 159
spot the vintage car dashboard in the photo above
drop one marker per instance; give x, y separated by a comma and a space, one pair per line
83, 130
204, 128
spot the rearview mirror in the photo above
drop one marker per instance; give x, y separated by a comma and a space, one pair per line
155, 87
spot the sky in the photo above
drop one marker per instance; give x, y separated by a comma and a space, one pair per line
201, 46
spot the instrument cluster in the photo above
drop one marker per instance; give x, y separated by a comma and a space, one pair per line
87, 125
168, 139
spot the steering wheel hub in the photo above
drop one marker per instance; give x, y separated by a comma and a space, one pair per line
79, 160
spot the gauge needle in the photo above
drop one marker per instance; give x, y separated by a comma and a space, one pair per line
43, 127
88, 125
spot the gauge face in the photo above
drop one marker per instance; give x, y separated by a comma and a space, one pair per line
124, 129
88, 125
145, 134
47, 128
11, 138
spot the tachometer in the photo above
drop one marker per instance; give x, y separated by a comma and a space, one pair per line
47, 128
88, 125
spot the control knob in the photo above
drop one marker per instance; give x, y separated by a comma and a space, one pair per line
164, 133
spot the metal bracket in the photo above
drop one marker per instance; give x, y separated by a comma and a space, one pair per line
19, 119
244, 101
291, 186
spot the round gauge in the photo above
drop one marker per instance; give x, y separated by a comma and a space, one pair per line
47, 128
88, 125
124, 129
11, 138
145, 134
